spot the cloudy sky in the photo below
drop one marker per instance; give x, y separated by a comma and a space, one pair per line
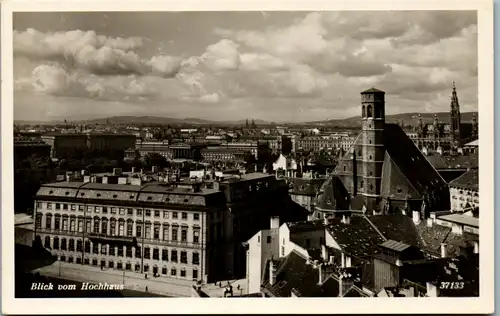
278, 66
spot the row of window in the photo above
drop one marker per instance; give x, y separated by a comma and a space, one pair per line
128, 266
117, 228
129, 252
117, 210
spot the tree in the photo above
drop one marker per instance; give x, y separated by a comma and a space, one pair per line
155, 159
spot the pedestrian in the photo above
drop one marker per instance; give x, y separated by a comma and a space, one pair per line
146, 288
146, 276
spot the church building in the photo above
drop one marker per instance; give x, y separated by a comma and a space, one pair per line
443, 137
384, 172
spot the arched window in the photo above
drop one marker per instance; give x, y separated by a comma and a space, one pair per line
56, 243
71, 245
369, 112
47, 242
48, 221
361, 184
63, 244
378, 112
130, 228
363, 112
104, 226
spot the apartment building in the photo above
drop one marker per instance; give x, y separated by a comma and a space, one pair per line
148, 229
191, 232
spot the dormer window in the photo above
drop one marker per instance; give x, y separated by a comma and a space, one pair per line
67, 193
98, 194
50, 192
150, 198
115, 196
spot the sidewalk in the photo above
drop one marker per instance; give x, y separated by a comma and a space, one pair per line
136, 281
131, 280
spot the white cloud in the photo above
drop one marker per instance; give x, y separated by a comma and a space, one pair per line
94, 53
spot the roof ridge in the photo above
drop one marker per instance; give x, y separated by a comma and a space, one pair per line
375, 227
461, 176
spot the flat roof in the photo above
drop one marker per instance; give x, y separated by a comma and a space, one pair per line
461, 219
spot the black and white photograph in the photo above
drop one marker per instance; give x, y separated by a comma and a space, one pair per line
251, 154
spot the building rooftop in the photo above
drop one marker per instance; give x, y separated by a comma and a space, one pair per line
467, 181
372, 90
395, 245
461, 219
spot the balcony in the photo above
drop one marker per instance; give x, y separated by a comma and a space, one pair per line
171, 243
104, 238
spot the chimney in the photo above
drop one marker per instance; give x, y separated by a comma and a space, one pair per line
444, 252
197, 187
133, 169
429, 222
476, 247
332, 259
346, 219
272, 272
275, 222
399, 263
320, 274
324, 253
416, 217
432, 290
216, 185
326, 219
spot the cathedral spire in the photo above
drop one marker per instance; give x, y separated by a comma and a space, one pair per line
454, 115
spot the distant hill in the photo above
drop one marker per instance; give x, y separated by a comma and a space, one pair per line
406, 118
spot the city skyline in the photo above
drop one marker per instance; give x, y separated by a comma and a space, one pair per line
275, 66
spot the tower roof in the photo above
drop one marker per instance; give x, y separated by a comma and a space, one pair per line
372, 90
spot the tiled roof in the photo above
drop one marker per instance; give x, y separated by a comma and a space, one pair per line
333, 195
432, 237
304, 186
410, 160
397, 227
359, 238
454, 162
294, 273
372, 90
468, 181
305, 226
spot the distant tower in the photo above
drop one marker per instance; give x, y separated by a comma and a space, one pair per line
454, 116
420, 126
436, 126
253, 123
474, 126
373, 151
246, 125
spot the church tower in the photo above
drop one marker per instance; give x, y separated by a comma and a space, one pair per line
373, 151
454, 116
